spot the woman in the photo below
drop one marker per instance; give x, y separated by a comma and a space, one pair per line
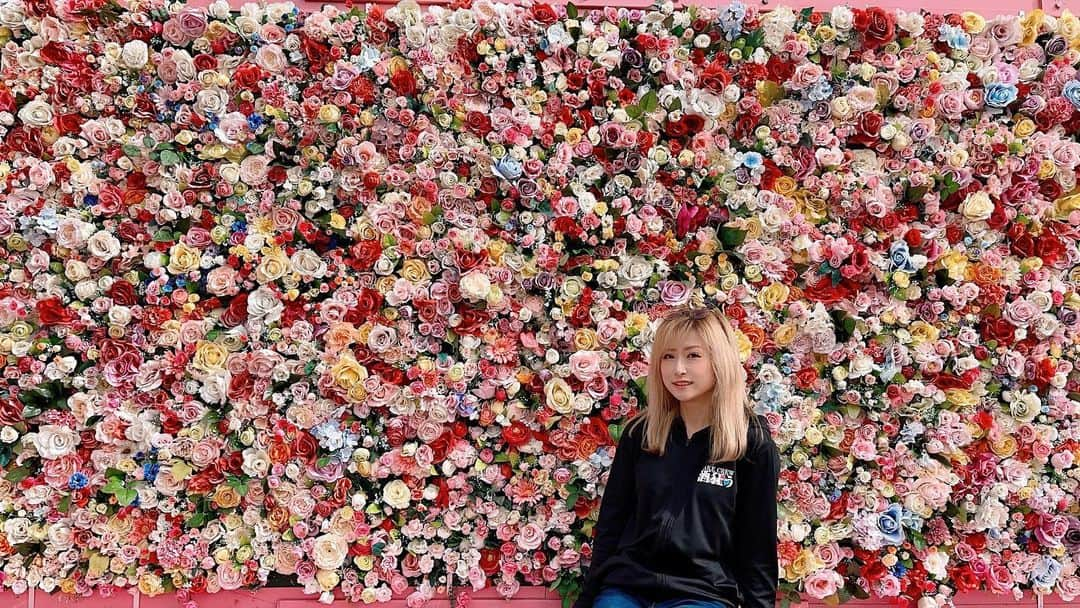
688, 516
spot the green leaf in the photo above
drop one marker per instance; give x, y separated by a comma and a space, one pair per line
17, 474
196, 521
571, 498
732, 237
649, 101
131, 151
633, 111
163, 236
571, 10
65, 504
169, 158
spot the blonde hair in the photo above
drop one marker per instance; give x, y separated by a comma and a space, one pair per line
731, 411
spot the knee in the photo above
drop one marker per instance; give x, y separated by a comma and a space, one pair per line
610, 597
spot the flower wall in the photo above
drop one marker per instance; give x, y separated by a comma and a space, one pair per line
363, 297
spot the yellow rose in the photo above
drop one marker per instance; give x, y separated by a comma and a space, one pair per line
329, 113
150, 584
209, 356
226, 497
1004, 446
183, 259
825, 33
901, 279
414, 271
813, 436
1047, 169
560, 397
785, 185
956, 263
960, 397
328, 579
347, 372
585, 339
773, 297
1067, 204
272, 267
1030, 26
98, 564
973, 22
922, 331
1024, 127
745, 345
784, 334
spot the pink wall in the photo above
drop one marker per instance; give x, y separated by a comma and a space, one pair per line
983, 7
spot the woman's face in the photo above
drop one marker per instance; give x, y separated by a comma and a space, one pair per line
686, 369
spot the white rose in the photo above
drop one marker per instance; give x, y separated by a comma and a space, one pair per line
37, 113
119, 315
475, 285
381, 338
705, 103
271, 58
308, 264
103, 245
76, 270
329, 551
264, 303
842, 18
8, 434
17, 530
54, 441
397, 494
635, 272
1025, 407
977, 207
256, 462
213, 101
11, 14
85, 290
135, 54
60, 535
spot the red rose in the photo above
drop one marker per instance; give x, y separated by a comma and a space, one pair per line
877, 25
715, 77
241, 386
7, 100
306, 447
478, 123
205, 62
825, 292
472, 322
52, 311
806, 377
122, 293
868, 128
998, 329
403, 82
489, 560
544, 14
236, 313
516, 435
11, 411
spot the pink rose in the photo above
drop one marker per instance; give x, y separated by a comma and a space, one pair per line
822, 584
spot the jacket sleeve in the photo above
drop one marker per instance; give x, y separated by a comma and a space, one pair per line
756, 569
616, 507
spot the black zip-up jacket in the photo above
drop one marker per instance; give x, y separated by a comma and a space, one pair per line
675, 526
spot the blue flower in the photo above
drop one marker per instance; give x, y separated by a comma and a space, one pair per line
1071, 91
889, 524
731, 19
78, 481
1046, 572
369, 57
819, 91
752, 160
1000, 95
150, 471
508, 167
900, 257
955, 37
